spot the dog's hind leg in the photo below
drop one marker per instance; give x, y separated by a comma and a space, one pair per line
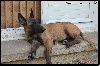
76, 40
66, 42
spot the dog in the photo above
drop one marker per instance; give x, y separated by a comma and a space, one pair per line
47, 33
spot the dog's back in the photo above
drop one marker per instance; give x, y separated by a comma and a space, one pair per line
55, 31
60, 30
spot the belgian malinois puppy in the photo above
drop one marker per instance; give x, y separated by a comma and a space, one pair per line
47, 33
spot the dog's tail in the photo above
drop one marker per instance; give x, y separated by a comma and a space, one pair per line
86, 39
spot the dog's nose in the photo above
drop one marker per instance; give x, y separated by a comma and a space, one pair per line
44, 29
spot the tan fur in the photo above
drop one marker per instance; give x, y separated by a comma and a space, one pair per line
59, 31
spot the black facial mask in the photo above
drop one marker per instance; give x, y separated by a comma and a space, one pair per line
37, 28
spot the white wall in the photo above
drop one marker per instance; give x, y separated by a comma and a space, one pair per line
53, 11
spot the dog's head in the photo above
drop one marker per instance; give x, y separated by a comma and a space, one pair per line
30, 24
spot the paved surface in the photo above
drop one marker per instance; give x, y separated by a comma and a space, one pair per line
90, 57
18, 50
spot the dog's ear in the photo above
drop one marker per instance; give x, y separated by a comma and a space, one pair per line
31, 14
21, 19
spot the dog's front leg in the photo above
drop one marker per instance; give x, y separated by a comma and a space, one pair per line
47, 51
34, 46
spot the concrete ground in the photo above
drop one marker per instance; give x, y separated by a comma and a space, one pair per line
13, 52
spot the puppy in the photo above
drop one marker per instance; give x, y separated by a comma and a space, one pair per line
52, 32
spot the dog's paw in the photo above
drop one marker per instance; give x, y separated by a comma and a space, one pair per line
31, 56
67, 45
48, 62
64, 42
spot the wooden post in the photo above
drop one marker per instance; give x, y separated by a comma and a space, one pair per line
5, 13
27, 9
20, 3
35, 10
13, 15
